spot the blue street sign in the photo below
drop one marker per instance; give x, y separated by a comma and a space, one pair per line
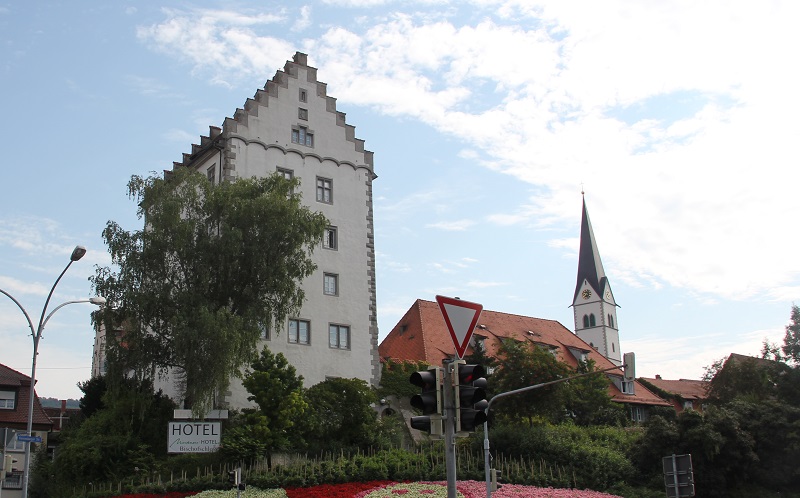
28, 438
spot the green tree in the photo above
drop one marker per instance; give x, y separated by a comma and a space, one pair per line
278, 391
340, 415
213, 266
525, 364
791, 341
93, 391
588, 401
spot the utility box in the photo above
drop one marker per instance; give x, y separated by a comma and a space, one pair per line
678, 476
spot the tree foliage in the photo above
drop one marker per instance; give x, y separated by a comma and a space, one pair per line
340, 415
525, 364
213, 265
791, 341
276, 388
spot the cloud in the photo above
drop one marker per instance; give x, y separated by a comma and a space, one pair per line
683, 139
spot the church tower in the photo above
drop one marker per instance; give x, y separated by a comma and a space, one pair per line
593, 304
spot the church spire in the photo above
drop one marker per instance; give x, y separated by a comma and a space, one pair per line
593, 303
590, 268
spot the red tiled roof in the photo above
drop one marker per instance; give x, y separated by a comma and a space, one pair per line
422, 336
11, 380
685, 388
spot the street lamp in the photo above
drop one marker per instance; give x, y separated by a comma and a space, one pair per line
77, 254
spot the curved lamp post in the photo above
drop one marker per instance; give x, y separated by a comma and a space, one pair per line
36, 333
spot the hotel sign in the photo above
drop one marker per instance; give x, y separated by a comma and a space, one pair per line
193, 437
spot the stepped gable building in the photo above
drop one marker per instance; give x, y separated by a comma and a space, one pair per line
293, 128
422, 336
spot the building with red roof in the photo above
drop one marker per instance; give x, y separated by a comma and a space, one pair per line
14, 401
684, 394
423, 336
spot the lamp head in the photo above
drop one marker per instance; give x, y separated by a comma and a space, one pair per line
77, 253
97, 300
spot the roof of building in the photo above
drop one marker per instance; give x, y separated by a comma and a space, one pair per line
687, 389
422, 336
10, 379
590, 267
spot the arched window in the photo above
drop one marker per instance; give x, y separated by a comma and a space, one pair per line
586, 321
592, 321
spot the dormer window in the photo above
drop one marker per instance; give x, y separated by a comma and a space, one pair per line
7, 399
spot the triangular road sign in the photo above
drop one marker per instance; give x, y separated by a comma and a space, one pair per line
461, 318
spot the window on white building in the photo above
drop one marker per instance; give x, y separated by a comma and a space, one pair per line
325, 190
330, 284
299, 331
330, 241
302, 113
303, 96
211, 173
301, 135
339, 336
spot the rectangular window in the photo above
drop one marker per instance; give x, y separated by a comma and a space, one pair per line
13, 444
627, 387
301, 135
330, 241
687, 405
286, 173
637, 414
325, 190
339, 336
299, 331
7, 400
211, 173
302, 113
265, 332
330, 284
303, 95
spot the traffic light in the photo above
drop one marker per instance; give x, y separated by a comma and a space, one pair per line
429, 401
234, 478
495, 484
8, 464
470, 394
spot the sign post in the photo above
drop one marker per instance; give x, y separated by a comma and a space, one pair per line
678, 476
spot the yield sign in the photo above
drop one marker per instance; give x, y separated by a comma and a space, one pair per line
461, 318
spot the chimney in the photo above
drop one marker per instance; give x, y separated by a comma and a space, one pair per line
658, 377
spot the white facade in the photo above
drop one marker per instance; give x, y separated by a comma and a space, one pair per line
293, 127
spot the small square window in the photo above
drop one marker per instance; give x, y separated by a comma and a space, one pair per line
299, 331
330, 239
303, 95
302, 114
339, 336
325, 190
330, 284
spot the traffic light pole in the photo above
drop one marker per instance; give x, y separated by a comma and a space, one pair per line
509, 393
449, 429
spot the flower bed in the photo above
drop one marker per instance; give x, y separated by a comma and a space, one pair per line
387, 489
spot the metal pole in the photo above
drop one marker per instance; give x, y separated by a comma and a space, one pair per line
449, 431
486, 456
675, 475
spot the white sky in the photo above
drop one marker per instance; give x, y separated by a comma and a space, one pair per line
487, 119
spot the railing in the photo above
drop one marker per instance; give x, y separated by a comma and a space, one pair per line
13, 480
